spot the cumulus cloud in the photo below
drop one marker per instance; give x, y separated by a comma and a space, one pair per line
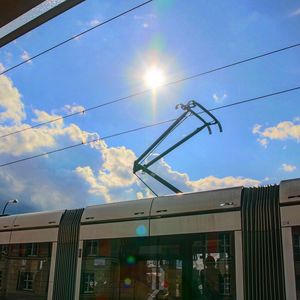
115, 171
10, 101
44, 117
46, 183
40, 138
288, 168
184, 183
71, 109
286, 130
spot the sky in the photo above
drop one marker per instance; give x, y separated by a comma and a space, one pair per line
259, 144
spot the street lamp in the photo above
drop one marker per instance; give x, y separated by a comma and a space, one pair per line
9, 201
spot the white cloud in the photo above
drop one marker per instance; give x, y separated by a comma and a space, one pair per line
46, 183
288, 168
10, 101
71, 109
212, 182
219, 98
282, 131
2, 68
40, 138
25, 56
43, 117
264, 142
256, 128
183, 182
115, 171
118, 174
95, 186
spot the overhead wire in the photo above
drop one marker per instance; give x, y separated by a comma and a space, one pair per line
146, 184
74, 37
148, 90
144, 127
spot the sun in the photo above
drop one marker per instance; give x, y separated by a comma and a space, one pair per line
154, 77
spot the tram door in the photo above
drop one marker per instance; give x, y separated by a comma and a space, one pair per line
175, 267
183, 267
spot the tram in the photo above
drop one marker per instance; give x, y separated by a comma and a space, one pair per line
229, 244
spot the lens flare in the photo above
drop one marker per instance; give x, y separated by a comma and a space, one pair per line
141, 230
130, 260
127, 282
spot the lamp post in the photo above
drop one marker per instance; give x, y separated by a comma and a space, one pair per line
9, 201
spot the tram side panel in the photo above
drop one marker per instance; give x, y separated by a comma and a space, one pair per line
26, 254
290, 222
109, 236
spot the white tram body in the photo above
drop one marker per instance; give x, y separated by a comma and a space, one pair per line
221, 244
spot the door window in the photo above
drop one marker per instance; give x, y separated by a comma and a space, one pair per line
187, 267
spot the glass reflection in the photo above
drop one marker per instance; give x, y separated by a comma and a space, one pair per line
189, 267
24, 271
296, 245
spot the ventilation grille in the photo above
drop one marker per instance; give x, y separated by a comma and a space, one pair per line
66, 256
262, 244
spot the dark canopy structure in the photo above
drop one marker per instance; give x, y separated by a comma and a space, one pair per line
18, 16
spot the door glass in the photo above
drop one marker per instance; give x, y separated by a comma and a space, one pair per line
181, 267
296, 246
213, 267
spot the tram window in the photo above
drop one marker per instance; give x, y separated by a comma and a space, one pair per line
3, 250
25, 270
181, 267
31, 249
88, 281
296, 246
91, 248
25, 281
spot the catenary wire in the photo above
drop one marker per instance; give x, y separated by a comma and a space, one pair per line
75, 37
147, 185
148, 90
145, 127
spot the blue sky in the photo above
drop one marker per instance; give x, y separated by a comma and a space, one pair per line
260, 142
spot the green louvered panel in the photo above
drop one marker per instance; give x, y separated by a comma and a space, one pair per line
66, 256
262, 244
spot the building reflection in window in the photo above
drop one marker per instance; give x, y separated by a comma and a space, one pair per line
189, 267
24, 270
296, 246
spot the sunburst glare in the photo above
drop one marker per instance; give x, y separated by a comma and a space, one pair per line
154, 77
